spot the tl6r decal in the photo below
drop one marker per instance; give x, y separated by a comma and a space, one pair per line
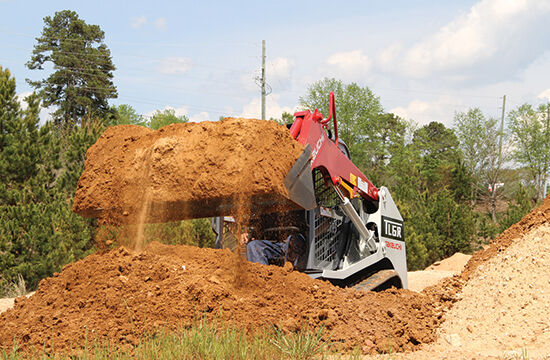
392, 228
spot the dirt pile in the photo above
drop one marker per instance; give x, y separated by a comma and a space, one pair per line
454, 263
504, 305
134, 174
118, 296
501, 305
419, 280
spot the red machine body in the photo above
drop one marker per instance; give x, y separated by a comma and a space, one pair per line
309, 128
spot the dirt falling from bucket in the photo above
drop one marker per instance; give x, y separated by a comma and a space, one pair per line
145, 205
143, 214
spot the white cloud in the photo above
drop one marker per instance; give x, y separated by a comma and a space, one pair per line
486, 34
348, 65
138, 22
249, 81
180, 111
21, 99
273, 110
202, 116
350, 60
160, 23
388, 57
175, 65
279, 68
44, 115
545, 94
424, 112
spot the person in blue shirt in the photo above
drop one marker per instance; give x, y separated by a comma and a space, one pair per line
282, 238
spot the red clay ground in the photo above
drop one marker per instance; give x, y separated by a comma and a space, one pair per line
118, 296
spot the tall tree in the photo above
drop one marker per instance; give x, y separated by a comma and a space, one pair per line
357, 111
438, 149
126, 115
10, 117
479, 141
390, 131
21, 140
75, 144
38, 231
9, 107
530, 130
81, 83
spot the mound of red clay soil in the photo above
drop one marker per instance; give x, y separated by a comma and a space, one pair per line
135, 174
118, 296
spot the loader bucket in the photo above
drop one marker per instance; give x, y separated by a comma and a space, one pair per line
299, 181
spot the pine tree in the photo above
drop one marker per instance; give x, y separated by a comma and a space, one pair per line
39, 233
19, 151
82, 81
75, 143
9, 107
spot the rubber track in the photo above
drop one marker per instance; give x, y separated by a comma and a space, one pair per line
374, 281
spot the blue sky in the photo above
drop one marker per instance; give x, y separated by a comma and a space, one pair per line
425, 59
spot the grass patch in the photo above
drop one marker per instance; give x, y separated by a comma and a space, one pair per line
204, 340
303, 345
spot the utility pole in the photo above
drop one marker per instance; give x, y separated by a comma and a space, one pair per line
499, 164
501, 130
263, 80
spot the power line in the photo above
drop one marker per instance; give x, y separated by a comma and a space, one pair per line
171, 44
153, 59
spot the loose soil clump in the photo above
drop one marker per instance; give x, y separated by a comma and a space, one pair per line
134, 174
119, 296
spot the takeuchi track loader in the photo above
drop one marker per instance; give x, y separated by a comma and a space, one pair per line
354, 232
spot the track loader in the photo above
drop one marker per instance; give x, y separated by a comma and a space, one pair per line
353, 231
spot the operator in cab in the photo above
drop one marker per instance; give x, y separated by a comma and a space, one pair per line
276, 238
